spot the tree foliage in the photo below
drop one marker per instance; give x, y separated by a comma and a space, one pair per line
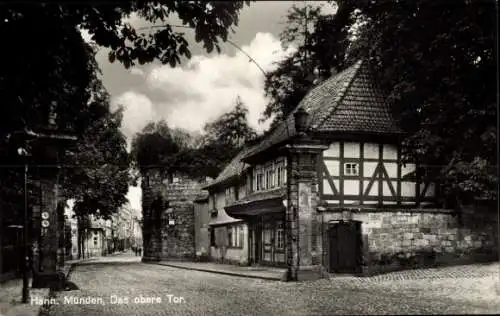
155, 147
97, 176
321, 41
58, 74
177, 151
211, 20
231, 128
442, 84
224, 138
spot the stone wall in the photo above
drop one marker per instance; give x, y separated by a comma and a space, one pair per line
424, 237
178, 240
170, 233
149, 232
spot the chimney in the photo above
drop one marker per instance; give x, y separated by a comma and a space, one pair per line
301, 117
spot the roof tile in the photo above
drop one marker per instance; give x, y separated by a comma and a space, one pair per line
346, 102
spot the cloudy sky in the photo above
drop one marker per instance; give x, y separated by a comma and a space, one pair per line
205, 86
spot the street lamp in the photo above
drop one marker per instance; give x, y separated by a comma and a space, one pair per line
25, 292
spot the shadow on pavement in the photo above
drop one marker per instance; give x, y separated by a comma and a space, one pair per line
70, 286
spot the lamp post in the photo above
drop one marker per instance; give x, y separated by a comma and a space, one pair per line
26, 267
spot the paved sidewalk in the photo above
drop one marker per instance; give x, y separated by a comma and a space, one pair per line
11, 294
474, 283
10, 299
266, 273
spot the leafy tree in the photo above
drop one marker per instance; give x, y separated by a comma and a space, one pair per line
98, 175
224, 138
175, 150
442, 84
321, 47
231, 128
156, 147
211, 21
60, 77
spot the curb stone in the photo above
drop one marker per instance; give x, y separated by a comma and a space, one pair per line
237, 274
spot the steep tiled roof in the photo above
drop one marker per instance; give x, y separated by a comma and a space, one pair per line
234, 168
347, 102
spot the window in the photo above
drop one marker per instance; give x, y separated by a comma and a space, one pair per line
271, 177
280, 237
242, 236
283, 180
278, 175
235, 236
212, 237
230, 195
351, 169
267, 235
260, 181
213, 200
95, 241
230, 236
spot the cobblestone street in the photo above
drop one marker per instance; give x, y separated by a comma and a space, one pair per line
127, 287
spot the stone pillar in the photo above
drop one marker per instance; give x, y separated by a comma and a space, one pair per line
302, 213
46, 272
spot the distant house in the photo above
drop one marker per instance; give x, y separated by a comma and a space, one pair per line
201, 227
229, 237
94, 242
328, 191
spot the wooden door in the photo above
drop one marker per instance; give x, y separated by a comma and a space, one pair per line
345, 247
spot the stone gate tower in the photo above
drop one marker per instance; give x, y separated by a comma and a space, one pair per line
168, 212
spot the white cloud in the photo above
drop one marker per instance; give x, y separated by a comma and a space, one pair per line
138, 111
137, 71
208, 85
204, 88
201, 90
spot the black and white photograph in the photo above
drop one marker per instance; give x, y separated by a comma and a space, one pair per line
249, 158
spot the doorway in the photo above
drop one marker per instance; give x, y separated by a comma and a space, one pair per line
345, 247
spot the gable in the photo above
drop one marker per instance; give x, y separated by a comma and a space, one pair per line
348, 102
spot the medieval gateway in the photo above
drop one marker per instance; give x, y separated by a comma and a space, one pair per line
325, 192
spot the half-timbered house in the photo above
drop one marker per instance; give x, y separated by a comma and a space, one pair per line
327, 189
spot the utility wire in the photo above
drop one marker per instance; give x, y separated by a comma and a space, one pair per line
250, 58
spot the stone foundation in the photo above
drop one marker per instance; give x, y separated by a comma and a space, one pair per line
394, 240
